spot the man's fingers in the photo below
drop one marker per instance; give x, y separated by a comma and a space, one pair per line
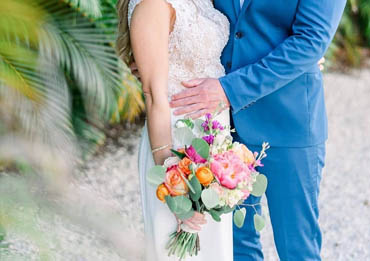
197, 114
185, 94
189, 109
192, 83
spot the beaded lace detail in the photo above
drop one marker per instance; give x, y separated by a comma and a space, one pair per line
199, 35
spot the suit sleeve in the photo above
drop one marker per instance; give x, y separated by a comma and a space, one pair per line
314, 27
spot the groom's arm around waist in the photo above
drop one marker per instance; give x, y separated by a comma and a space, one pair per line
312, 31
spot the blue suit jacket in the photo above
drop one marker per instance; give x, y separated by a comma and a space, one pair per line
273, 81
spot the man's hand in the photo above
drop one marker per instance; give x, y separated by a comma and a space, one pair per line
203, 96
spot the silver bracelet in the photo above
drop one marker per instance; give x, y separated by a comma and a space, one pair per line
160, 148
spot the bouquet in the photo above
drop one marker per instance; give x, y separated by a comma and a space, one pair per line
210, 173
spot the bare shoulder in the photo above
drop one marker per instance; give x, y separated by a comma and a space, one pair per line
154, 13
154, 7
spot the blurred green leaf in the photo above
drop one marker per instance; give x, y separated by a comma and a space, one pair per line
259, 222
180, 205
195, 196
210, 198
239, 217
156, 175
216, 215
183, 135
186, 215
260, 186
201, 147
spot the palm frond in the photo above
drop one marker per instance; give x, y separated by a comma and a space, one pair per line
86, 54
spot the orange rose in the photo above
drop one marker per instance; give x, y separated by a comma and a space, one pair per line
244, 153
175, 183
184, 165
204, 176
162, 192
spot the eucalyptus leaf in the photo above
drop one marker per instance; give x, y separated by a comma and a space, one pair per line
210, 198
198, 126
260, 186
186, 215
156, 175
215, 215
187, 183
201, 147
183, 136
239, 217
259, 222
179, 205
226, 209
195, 196
188, 122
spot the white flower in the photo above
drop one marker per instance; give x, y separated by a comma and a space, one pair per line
171, 161
180, 124
220, 138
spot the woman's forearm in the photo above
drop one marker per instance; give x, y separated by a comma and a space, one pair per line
159, 126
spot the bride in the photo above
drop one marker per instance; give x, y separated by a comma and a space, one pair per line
173, 41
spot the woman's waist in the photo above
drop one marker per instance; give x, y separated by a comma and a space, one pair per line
177, 74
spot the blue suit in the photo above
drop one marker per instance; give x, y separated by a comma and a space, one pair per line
276, 93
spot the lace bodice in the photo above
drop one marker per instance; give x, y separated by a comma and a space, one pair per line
199, 35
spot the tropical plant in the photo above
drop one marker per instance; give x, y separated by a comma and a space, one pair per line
353, 35
73, 40
60, 84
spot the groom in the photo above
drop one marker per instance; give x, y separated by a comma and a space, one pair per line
275, 90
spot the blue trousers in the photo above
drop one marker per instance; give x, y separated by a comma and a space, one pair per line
294, 176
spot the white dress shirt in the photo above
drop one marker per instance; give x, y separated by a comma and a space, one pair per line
241, 3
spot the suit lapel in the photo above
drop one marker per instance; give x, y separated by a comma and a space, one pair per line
245, 6
236, 4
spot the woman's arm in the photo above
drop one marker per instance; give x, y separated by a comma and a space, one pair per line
151, 24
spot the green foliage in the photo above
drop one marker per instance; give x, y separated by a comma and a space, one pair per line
239, 217
61, 53
2, 233
201, 147
183, 135
353, 35
259, 222
197, 187
179, 205
156, 175
210, 198
260, 186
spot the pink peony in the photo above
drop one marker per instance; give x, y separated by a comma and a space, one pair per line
194, 156
230, 169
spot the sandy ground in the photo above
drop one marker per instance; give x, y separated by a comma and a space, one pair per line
344, 201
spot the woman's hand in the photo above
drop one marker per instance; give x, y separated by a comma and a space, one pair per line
321, 64
194, 223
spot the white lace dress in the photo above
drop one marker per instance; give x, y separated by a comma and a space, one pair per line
200, 33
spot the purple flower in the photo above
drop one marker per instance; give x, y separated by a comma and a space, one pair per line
216, 125
205, 126
194, 156
209, 139
208, 117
